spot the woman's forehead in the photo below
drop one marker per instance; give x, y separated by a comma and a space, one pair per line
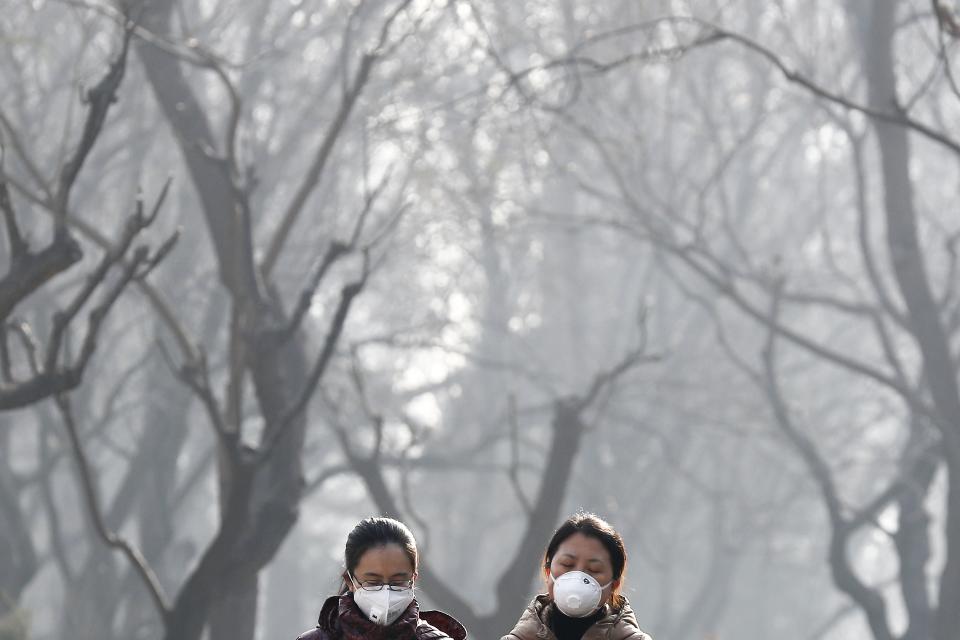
581, 546
386, 560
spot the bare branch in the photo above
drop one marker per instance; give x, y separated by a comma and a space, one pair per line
276, 432
6, 366
52, 511
711, 34
376, 419
317, 482
312, 178
33, 270
606, 378
29, 343
947, 26
109, 538
717, 274
212, 62
897, 117
407, 465
53, 378
100, 99
334, 252
18, 246
870, 600
195, 375
514, 470
141, 262
154, 296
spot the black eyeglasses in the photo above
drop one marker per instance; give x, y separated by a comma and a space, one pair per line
393, 585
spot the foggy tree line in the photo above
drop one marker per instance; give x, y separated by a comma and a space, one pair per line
272, 267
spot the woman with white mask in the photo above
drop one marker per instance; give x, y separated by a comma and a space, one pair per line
377, 599
583, 571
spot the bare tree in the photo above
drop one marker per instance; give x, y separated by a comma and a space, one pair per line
42, 370
267, 354
568, 424
35, 368
908, 318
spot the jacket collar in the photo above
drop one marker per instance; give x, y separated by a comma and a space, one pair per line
534, 623
341, 617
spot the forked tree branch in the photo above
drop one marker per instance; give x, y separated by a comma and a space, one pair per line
110, 538
274, 433
53, 377
870, 600
100, 99
334, 131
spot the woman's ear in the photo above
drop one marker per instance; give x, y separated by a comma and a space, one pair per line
613, 590
547, 582
347, 581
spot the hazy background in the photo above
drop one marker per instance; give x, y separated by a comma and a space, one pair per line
478, 264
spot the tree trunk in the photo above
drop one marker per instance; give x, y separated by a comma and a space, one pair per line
234, 612
18, 559
260, 501
906, 256
912, 538
284, 612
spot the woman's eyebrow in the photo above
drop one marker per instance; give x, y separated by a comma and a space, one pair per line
372, 574
400, 574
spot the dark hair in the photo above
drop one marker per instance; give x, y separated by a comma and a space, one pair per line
371, 533
593, 526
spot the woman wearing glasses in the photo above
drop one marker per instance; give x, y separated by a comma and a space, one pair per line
376, 598
583, 570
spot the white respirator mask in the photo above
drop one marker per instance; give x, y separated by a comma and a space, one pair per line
384, 606
577, 594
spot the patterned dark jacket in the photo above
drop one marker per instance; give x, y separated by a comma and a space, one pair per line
341, 619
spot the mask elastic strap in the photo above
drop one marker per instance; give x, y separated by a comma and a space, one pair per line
353, 581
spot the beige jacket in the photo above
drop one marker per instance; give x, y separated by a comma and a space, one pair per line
534, 624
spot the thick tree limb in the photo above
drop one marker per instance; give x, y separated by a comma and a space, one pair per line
18, 246
275, 433
53, 377
32, 270
100, 99
154, 296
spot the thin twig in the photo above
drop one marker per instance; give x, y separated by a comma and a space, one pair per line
312, 178
514, 469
